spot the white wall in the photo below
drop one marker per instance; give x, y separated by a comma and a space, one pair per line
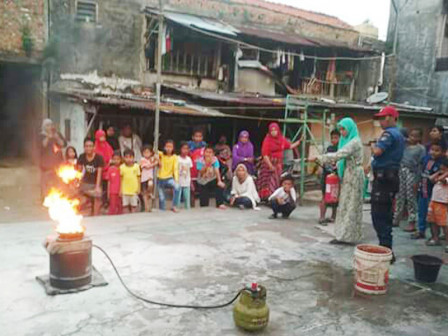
75, 114
255, 81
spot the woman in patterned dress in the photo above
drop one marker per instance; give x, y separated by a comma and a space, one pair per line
274, 144
349, 157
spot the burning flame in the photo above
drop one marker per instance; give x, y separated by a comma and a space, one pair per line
64, 211
68, 173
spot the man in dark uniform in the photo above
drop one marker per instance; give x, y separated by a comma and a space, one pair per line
387, 154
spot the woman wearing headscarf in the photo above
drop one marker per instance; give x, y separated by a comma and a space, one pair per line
51, 156
349, 158
103, 148
243, 153
274, 144
244, 193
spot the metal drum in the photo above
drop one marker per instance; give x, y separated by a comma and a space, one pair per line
71, 263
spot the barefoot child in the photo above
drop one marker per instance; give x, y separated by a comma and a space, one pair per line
114, 185
147, 164
130, 182
185, 165
326, 170
283, 200
438, 208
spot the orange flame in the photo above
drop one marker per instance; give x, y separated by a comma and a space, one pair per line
64, 211
68, 173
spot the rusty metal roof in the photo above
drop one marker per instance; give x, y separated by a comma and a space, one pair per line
290, 38
138, 102
318, 18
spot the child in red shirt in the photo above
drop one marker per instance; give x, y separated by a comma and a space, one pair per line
114, 185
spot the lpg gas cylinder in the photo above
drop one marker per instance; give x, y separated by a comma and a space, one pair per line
251, 311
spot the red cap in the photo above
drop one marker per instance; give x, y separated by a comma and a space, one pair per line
254, 286
388, 111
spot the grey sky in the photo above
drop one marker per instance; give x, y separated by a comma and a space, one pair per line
351, 11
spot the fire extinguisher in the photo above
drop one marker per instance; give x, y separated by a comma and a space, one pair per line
331, 189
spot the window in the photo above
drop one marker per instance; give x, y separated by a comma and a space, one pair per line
86, 11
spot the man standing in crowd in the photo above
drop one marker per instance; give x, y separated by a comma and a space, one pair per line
387, 154
129, 140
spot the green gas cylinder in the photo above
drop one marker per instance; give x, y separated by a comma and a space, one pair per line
251, 311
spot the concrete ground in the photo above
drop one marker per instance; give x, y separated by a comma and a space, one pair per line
204, 256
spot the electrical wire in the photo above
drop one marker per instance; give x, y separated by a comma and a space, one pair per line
171, 305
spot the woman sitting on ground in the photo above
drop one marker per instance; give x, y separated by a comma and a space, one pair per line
244, 193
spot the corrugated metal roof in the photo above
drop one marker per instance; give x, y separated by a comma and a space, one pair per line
202, 23
138, 102
276, 36
318, 18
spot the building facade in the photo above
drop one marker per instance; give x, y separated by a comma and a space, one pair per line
421, 74
23, 36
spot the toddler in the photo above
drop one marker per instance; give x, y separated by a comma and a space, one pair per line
438, 208
114, 185
147, 164
185, 165
130, 181
430, 166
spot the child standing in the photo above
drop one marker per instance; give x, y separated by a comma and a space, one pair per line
71, 156
283, 200
147, 164
91, 165
327, 170
130, 181
431, 165
168, 176
185, 165
114, 185
438, 208
409, 173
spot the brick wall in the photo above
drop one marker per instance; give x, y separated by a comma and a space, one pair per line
14, 16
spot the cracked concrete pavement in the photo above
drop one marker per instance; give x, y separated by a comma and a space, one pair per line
204, 256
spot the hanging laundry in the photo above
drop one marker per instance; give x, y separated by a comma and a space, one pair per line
331, 71
302, 56
278, 61
290, 61
163, 51
168, 42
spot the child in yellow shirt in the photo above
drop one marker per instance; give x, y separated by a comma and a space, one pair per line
130, 182
168, 176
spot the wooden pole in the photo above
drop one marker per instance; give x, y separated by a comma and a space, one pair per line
159, 79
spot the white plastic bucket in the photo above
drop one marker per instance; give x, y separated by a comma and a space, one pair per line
371, 264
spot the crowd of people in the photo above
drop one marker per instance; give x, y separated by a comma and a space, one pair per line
407, 179
119, 174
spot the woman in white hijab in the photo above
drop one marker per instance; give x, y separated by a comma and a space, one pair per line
51, 156
244, 193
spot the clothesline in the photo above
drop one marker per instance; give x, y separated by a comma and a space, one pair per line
339, 58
